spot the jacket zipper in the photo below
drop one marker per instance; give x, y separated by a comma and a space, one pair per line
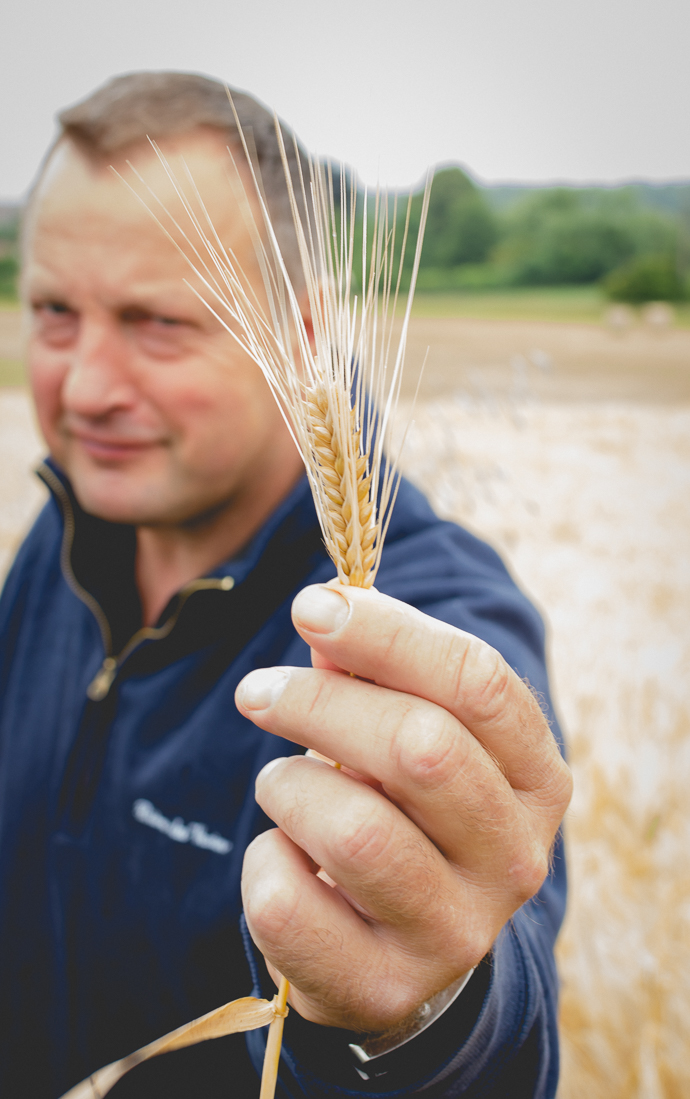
58, 488
103, 680
100, 685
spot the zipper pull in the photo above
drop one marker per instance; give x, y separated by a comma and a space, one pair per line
102, 681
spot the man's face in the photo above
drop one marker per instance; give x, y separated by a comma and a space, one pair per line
146, 402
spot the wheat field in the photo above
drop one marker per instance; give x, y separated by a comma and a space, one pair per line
589, 503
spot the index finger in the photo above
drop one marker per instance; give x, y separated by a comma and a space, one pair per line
379, 638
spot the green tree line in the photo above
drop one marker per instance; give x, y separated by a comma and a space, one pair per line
637, 250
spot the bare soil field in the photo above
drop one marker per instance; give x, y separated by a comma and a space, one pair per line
589, 505
548, 360
568, 448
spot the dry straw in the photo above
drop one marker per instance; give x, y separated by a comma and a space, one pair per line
337, 388
245, 1014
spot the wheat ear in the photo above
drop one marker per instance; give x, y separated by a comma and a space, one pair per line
350, 508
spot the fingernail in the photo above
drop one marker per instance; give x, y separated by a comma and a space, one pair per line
262, 688
320, 609
269, 767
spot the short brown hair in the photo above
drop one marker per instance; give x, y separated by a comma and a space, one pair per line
130, 108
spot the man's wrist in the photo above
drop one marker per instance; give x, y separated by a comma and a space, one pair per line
323, 1052
378, 1045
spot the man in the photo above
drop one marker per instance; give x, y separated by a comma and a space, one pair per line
176, 565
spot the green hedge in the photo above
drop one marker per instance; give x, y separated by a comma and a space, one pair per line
646, 278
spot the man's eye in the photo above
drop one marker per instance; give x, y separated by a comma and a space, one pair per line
141, 317
55, 322
52, 308
158, 335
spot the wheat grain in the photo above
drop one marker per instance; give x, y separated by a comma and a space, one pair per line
343, 471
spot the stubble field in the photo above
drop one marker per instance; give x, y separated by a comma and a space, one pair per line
567, 446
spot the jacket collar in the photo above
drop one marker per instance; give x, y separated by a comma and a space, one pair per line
298, 500
98, 558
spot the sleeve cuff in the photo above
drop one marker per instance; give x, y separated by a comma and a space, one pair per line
325, 1054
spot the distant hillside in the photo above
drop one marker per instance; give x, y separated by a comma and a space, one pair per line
672, 198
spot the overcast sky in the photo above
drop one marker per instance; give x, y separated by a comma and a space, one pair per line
526, 90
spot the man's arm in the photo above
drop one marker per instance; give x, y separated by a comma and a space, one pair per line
438, 828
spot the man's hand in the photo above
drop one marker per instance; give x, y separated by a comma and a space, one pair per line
438, 827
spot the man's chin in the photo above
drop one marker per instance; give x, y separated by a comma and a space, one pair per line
143, 501
131, 512
119, 497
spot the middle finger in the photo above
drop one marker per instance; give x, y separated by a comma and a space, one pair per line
425, 759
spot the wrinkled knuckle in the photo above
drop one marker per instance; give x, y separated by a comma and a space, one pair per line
529, 874
315, 699
482, 680
394, 639
556, 791
493, 680
269, 908
565, 778
365, 839
428, 750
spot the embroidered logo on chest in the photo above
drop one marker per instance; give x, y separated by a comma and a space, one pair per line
195, 833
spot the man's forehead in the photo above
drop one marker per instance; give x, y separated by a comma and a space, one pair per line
88, 233
75, 181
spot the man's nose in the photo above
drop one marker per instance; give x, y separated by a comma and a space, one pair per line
99, 379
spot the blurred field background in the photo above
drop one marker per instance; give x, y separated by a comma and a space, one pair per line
554, 420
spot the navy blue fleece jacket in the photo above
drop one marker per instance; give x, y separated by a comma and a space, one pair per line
127, 801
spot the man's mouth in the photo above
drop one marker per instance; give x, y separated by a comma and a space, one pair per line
106, 448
